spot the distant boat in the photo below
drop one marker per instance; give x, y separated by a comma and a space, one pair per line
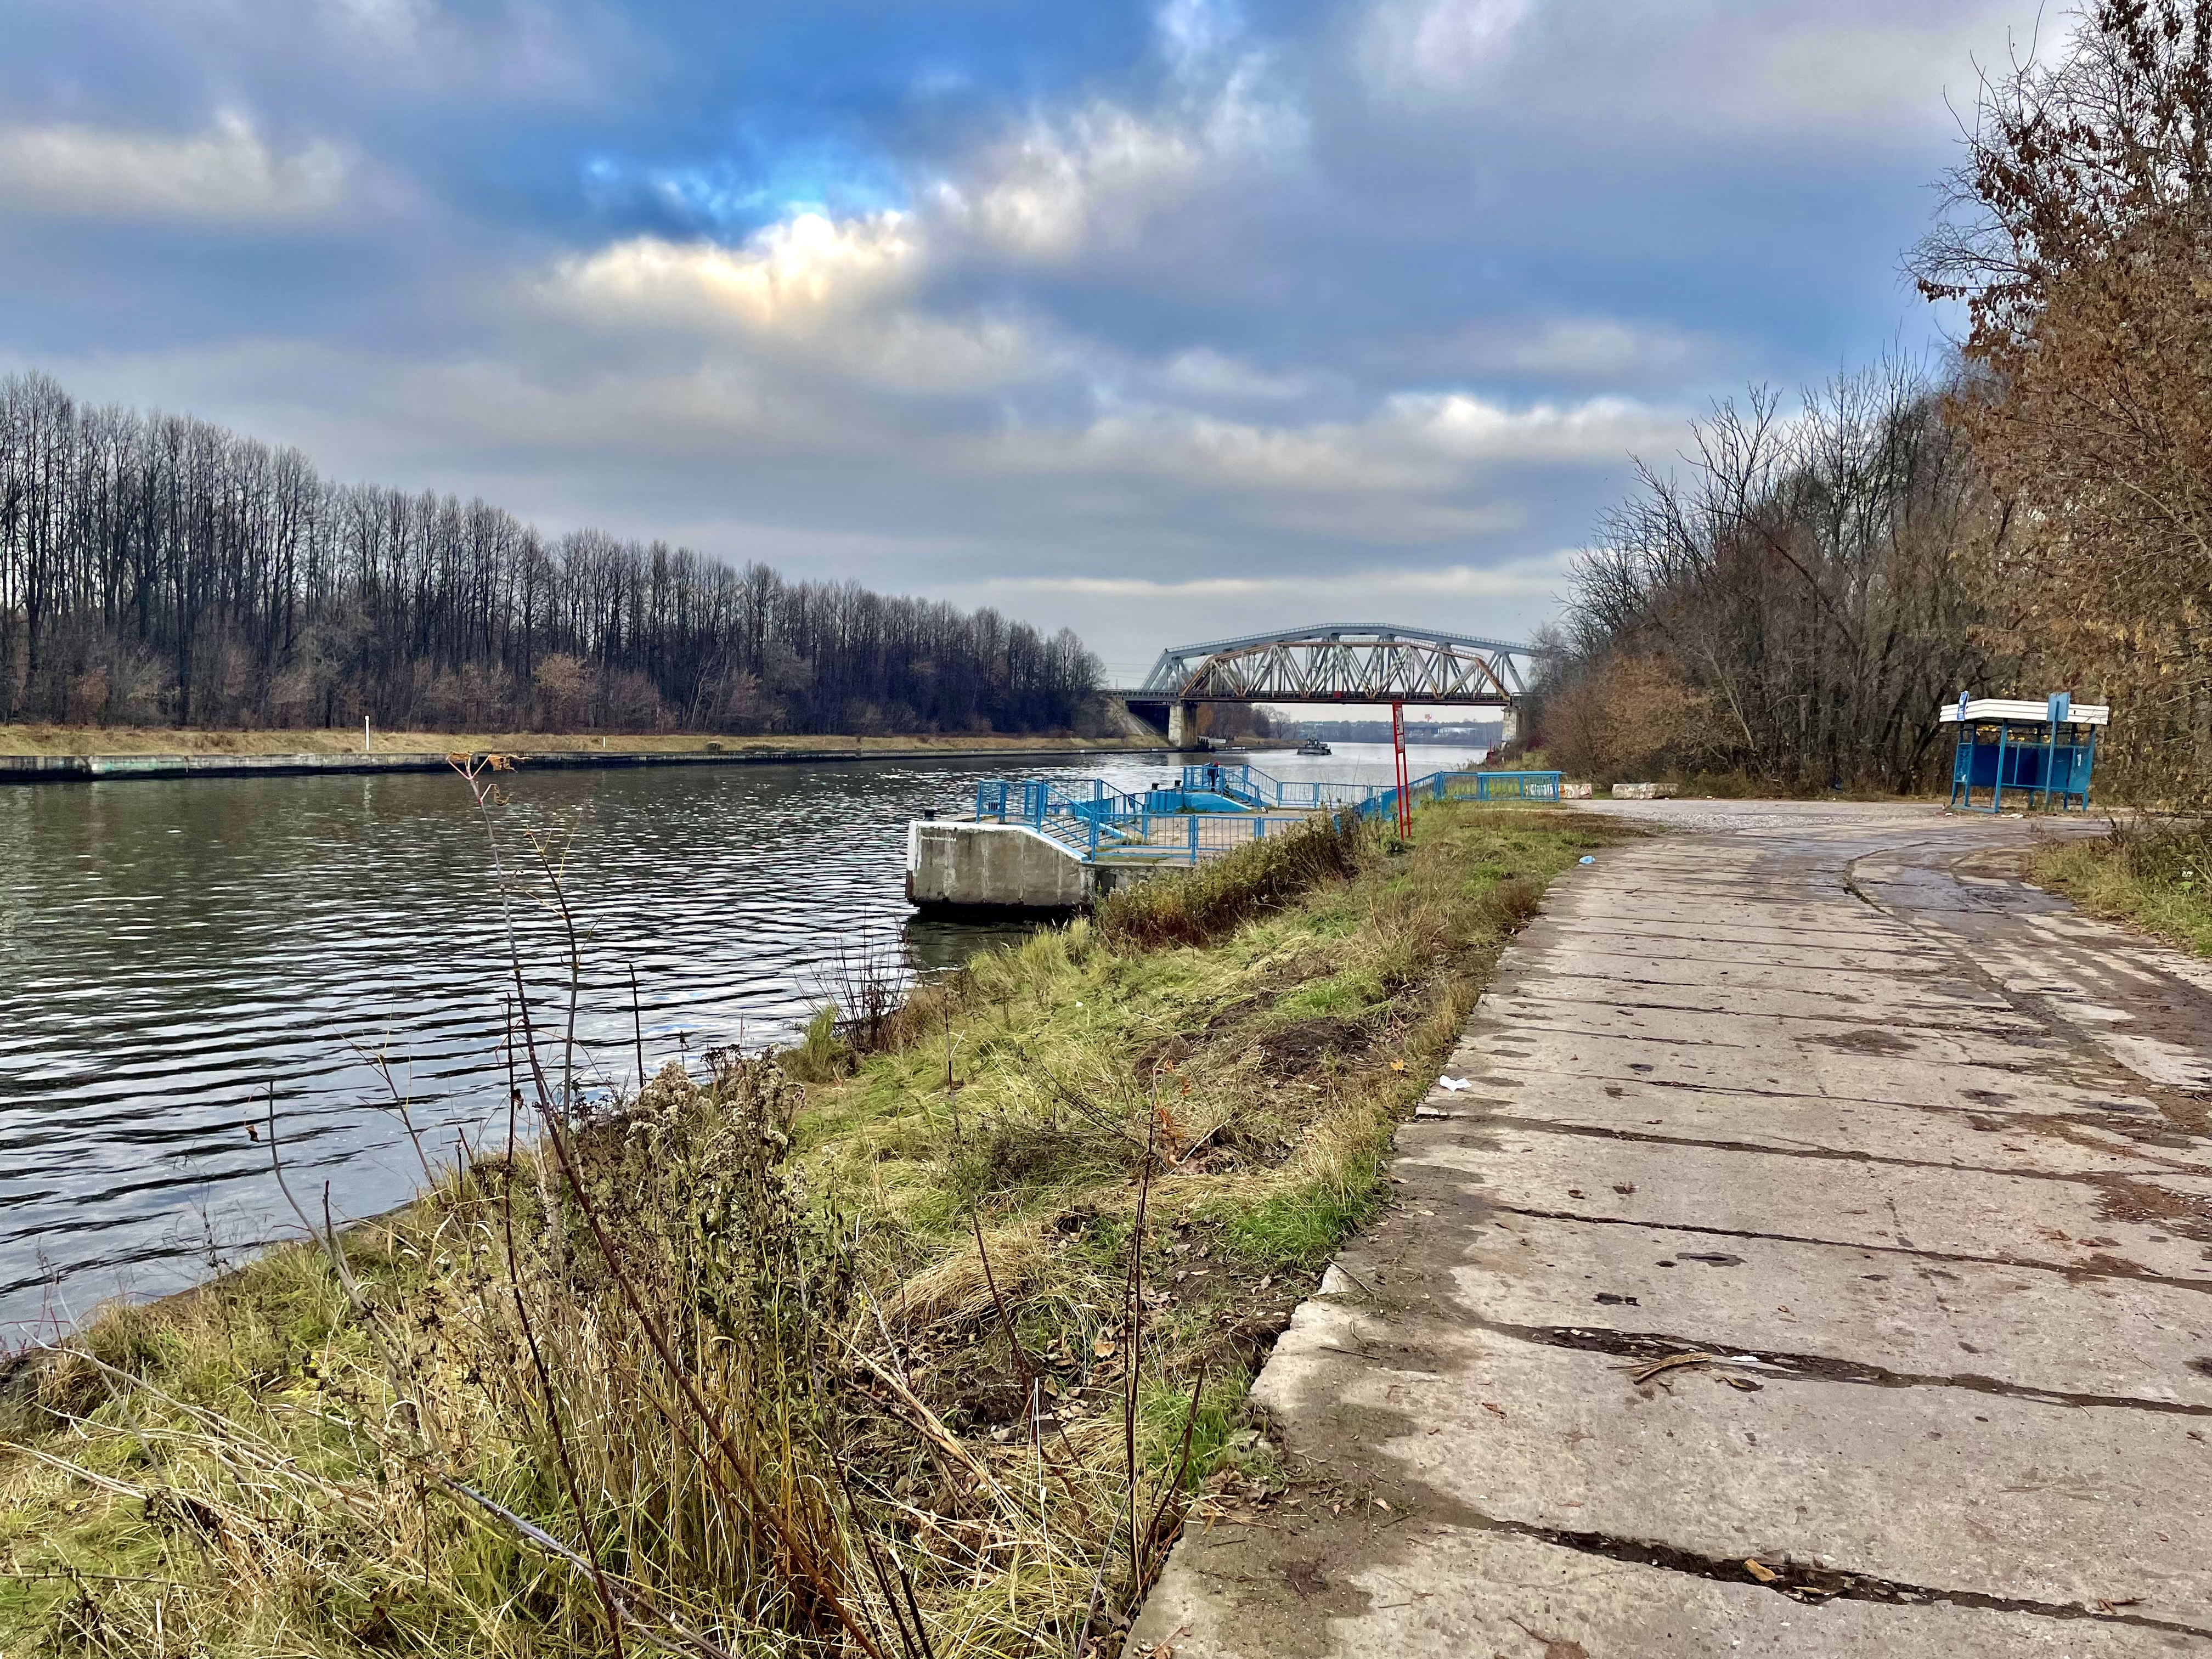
1315, 746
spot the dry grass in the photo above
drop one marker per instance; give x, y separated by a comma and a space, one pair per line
904, 1369
2155, 874
341, 740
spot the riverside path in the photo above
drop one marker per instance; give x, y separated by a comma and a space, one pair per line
1902, 1161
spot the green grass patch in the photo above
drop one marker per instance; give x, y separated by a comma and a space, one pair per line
1300, 1229
2156, 875
269, 1465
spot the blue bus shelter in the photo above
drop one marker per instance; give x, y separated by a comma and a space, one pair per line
2041, 751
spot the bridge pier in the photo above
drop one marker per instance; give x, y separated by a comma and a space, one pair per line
1183, 727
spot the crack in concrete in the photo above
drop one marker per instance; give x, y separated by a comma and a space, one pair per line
1536, 982
2133, 1125
1808, 1583
2130, 1114
1831, 1154
1823, 1368
1560, 1028
2027, 1264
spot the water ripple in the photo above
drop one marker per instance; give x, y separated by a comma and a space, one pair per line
175, 954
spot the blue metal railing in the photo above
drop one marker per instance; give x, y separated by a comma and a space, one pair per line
1465, 786
1217, 807
1249, 783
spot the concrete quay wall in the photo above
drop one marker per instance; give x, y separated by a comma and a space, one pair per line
982, 868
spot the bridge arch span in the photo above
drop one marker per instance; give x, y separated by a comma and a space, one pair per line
1336, 663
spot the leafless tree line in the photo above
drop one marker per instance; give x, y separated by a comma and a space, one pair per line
160, 569
1795, 602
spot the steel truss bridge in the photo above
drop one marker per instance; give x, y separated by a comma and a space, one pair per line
1359, 663
1346, 663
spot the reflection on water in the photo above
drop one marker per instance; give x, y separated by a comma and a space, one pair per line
175, 956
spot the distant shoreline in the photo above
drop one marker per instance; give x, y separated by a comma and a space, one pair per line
254, 753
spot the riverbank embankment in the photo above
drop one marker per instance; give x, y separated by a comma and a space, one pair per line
930, 1359
72, 756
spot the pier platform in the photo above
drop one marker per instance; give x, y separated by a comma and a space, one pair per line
1047, 845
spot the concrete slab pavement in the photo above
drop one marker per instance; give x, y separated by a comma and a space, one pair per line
1910, 1157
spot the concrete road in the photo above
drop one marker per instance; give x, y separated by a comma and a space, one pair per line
1904, 1161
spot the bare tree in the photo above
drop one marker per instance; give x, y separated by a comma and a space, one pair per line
1792, 602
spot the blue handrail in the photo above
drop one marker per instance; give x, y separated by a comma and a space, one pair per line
1250, 784
1218, 805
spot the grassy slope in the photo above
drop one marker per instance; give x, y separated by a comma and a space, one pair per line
341, 740
2160, 879
1265, 1060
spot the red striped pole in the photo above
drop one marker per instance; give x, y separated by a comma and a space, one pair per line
1398, 757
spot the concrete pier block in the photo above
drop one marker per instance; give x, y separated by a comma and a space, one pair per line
992, 866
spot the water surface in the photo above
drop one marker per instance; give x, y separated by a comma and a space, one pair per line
177, 956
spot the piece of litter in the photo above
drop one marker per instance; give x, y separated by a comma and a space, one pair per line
1586, 859
1454, 1083
1745, 1359
1759, 1570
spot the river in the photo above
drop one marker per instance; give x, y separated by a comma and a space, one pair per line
177, 956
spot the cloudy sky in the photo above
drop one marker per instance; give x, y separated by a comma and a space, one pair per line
1163, 320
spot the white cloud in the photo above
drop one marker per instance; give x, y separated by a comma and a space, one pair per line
1413, 443
1577, 349
1439, 45
1097, 177
1878, 68
791, 277
812, 292
1517, 577
1193, 31
527, 49
1206, 372
226, 174
1469, 428
1052, 189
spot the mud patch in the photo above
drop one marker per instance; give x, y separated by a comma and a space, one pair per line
2122, 1199
1293, 1050
1867, 1040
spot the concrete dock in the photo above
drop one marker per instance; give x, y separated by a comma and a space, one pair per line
1901, 1163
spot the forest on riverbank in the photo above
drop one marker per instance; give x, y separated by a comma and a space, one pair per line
1794, 603
160, 570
